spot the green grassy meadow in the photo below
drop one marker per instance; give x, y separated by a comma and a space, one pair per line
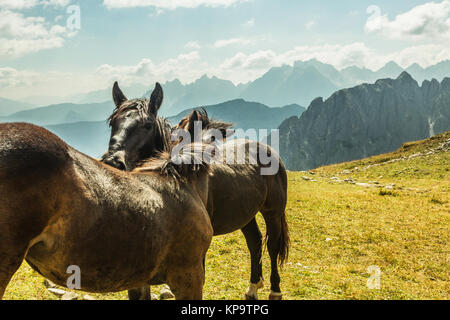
400, 223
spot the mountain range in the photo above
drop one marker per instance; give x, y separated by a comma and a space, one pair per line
63, 113
247, 115
204, 91
8, 106
365, 120
297, 84
91, 137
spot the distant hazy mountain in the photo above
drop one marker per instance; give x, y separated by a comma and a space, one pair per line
247, 115
98, 96
300, 83
204, 91
92, 137
393, 70
366, 120
8, 107
63, 113
297, 84
285, 85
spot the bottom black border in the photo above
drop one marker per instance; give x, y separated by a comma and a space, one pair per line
226, 309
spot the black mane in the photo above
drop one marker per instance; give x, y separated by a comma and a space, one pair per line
141, 105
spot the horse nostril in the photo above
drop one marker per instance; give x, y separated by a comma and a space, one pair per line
116, 163
121, 166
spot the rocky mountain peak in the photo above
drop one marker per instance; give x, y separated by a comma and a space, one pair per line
365, 120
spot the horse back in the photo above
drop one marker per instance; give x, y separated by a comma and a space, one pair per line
26, 148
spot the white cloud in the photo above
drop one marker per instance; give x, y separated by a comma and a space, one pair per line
17, 4
10, 77
430, 20
186, 67
169, 4
250, 23
340, 56
233, 41
257, 60
310, 24
20, 35
425, 55
26, 4
242, 41
19, 84
55, 3
244, 67
193, 45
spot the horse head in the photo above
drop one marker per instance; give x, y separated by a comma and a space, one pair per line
137, 132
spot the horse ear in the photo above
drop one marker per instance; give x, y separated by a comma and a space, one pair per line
118, 96
195, 116
156, 99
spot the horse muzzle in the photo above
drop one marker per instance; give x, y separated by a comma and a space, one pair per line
117, 161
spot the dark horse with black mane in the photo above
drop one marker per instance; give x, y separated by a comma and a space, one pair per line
61, 208
237, 192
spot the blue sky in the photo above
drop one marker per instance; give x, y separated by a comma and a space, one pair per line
143, 41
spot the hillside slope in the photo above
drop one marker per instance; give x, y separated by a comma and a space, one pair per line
429, 158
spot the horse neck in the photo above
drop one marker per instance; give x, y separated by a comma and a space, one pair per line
159, 142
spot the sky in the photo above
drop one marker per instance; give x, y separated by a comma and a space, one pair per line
60, 48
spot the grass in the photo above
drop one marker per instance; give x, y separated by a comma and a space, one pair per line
338, 231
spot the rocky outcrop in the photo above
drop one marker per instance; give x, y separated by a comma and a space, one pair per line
366, 120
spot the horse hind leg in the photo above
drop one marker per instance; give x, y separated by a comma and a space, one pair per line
253, 238
11, 257
277, 246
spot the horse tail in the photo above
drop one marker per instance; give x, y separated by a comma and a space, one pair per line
285, 239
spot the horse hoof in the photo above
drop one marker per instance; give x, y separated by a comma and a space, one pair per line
250, 297
252, 293
275, 296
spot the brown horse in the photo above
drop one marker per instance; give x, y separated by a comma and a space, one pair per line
237, 192
123, 230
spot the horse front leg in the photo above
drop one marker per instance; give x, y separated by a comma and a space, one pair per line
187, 283
11, 258
253, 238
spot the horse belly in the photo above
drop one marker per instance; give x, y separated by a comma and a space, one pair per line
107, 262
238, 193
